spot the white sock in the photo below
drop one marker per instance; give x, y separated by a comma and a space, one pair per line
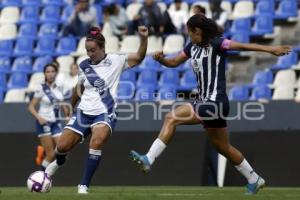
51, 168
246, 170
45, 163
155, 150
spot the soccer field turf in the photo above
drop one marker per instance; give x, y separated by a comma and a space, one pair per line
152, 193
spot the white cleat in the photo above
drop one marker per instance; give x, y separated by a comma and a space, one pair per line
51, 168
83, 189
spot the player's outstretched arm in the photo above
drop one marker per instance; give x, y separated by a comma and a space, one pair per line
275, 50
169, 62
136, 58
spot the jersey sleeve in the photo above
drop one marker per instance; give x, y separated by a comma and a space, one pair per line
187, 50
222, 44
124, 61
38, 93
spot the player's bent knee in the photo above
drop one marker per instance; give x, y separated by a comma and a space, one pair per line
170, 118
97, 143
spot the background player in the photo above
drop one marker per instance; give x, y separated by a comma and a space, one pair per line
207, 51
48, 128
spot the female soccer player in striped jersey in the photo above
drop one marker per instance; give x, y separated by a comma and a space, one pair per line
47, 96
98, 79
207, 51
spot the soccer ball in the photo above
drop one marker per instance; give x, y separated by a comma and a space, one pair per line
39, 181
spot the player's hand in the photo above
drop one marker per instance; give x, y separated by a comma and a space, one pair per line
280, 50
42, 121
143, 31
158, 56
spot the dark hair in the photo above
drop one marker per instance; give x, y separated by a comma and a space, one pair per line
94, 34
209, 28
200, 9
50, 65
56, 63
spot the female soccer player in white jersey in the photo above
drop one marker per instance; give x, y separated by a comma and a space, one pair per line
48, 95
207, 51
98, 78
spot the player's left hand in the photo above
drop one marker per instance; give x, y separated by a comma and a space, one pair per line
143, 31
280, 50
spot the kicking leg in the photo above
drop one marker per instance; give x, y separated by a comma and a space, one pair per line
66, 142
183, 114
100, 134
219, 139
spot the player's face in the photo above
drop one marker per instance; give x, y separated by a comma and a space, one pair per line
195, 35
50, 74
94, 51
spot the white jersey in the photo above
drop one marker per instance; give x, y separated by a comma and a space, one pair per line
109, 70
46, 109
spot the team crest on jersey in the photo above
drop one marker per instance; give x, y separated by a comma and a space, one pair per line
87, 70
107, 62
99, 83
196, 66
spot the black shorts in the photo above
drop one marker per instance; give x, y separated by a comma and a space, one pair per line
213, 114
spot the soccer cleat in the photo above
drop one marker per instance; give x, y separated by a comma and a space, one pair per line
255, 187
141, 160
82, 189
40, 154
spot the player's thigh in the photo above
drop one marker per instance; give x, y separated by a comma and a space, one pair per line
68, 140
100, 134
183, 114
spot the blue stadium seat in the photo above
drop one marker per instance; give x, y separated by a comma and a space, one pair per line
40, 63
17, 3
48, 30
167, 93
6, 47
169, 78
22, 65
286, 62
5, 65
238, 25
263, 25
149, 63
239, 93
242, 37
17, 80
147, 78
265, 7
66, 45
3, 82
286, 9
145, 94
30, 14
23, 47
1, 95
28, 30
32, 2
67, 11
262, 78
261, 92
125, 91
45, 46
54, 2
99, 13
188, 81
128, 76
51, 14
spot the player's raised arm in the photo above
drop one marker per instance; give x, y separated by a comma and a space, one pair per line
275, 50
136, 58
170, 62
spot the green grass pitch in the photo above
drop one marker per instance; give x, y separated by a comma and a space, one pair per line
151, 193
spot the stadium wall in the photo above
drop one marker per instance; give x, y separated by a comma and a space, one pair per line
270, 144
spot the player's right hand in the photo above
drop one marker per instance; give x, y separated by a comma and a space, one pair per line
158, 56
42, 121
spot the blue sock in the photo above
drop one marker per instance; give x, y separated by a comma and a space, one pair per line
91, 166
